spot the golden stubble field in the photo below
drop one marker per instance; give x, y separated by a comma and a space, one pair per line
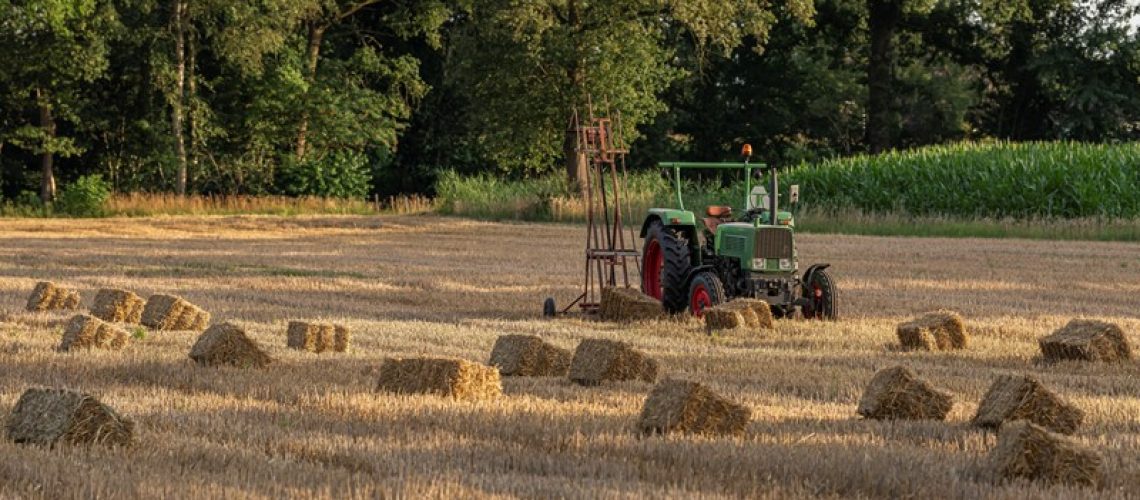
312, 426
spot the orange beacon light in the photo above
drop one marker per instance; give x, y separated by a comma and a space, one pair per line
746, 150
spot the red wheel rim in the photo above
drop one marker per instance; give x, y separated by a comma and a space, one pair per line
651, 266
700, 300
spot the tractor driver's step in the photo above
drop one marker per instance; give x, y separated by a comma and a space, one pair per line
612, 253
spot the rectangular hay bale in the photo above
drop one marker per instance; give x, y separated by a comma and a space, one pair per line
48, 296
342, 338
762, 310
898, 394
1027, 451
747, 313
598, 360
170, 312
689, 407
723, 318
118, 306
51, 416
1022, 397
1086, 340
739, 313
629, 304
89, 332
936, 331
455, 378
317, 337
228, 344
529, 356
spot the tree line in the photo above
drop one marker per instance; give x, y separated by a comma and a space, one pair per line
352, 97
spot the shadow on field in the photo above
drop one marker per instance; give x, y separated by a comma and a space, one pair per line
957, 435
563, 390
473, 443
284, 381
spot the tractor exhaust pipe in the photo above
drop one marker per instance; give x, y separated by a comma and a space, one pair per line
773, 199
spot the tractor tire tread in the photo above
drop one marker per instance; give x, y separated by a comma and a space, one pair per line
713, 284
675, 272
831, 295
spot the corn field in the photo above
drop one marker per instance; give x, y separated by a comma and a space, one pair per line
1019, 180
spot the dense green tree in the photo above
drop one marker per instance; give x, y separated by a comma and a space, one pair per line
377, 87
1064, 69
529, 65
806, 96
51, 49
800, 98
335, 96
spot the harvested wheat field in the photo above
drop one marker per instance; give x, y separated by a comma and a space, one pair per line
315, 426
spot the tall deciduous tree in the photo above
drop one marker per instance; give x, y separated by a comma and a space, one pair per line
529, 65
1059, 68
883, 17
50, 50
407, 18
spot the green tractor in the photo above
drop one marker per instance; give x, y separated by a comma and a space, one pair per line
691, 266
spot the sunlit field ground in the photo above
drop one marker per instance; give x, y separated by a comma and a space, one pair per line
312, 425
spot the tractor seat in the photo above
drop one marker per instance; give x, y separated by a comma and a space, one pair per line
716, 215
719, 212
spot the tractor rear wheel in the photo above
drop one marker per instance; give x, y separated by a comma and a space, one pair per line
705, 291
665, 266
822, 296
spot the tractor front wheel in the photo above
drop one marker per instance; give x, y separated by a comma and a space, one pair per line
705, 291
822, 297
664, 267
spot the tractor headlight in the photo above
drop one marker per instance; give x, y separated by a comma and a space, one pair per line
785, 264
759, 264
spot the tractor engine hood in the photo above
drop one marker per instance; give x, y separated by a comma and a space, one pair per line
760, 249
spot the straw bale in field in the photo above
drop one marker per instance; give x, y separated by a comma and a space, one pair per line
940, 330
228, 344
897, 393
342, 337
739, 313
456, 378
762, 310
529, 356
597, 360
629, 304
1027, 451
118, 306
50, 416
723, 317
86, 332
691, 408
170, 312
1089, 340
317, 337
1021, 397
48, 296
747, 313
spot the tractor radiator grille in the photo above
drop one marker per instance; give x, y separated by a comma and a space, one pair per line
773, 243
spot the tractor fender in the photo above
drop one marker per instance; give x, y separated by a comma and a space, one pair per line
812, 270
681, 221
648, 221
670, 217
